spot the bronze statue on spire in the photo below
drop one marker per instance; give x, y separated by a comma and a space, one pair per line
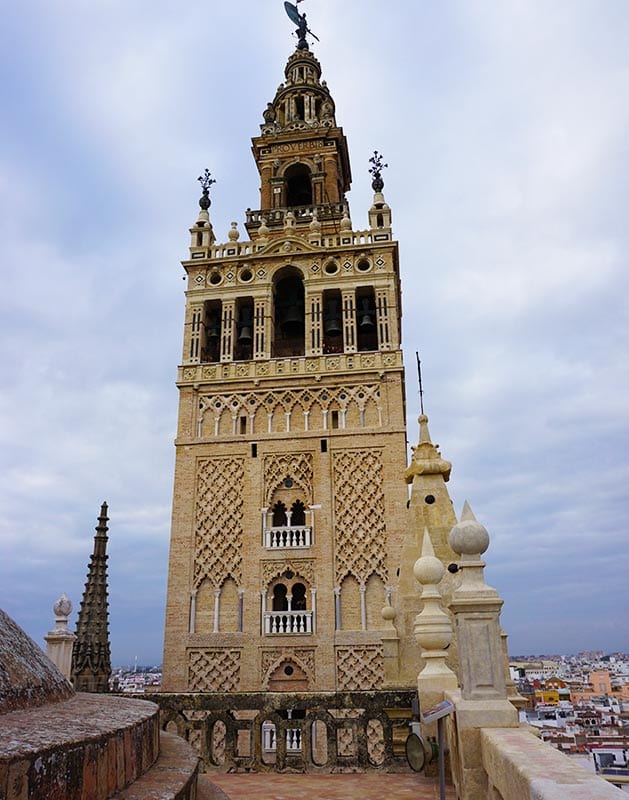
302, 24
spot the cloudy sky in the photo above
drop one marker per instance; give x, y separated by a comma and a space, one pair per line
505, 124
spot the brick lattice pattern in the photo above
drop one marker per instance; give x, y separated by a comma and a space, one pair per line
214, 670
360, 530
218, 545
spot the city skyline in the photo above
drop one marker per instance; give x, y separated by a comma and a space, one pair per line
505, 133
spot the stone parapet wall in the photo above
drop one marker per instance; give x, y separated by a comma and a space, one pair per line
521, 767
90, 746
335, 731
172, 777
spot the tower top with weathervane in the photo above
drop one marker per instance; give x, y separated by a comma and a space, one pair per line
302, 25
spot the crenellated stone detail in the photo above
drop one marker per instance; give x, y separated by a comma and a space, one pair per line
360, 529
218, 539
214, 670
359, 668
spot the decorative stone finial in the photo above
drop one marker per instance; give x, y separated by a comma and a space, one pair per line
289, 220
315, 225
63, 607
476, 608
377, 183
428, 569
234, 233
263, 230
427, 459
424, 433
433, 628
468, 537
346, 223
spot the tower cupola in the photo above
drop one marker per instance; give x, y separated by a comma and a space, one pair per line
301, 153
303, 101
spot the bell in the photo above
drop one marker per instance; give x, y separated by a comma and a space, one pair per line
293, 316
244, 326
332, 319
244, 337
213, 330
365, 315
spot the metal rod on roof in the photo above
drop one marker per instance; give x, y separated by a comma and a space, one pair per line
419, 376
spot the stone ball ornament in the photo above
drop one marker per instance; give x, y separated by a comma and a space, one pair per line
469, 537
388, 613
63, 606
428, 570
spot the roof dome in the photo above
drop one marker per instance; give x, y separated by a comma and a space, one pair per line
27, 677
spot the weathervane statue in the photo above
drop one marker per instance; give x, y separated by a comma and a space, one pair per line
302, 25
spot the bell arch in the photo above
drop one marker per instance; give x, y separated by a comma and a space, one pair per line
298, 185
289, 313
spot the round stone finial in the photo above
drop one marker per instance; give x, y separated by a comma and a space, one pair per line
234, 233
346, 223
469, 537
63, 606
263, 230
428, 570
388, 613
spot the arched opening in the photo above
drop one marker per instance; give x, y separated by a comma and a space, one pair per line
298, 186
332, 322
298, 513
280, 600
211, 349
279, 515
288, 606
299, 597
243, 350
289, 335
366, 328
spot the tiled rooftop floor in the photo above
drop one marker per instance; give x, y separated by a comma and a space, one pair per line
274, 786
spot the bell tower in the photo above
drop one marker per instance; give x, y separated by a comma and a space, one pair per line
289, 514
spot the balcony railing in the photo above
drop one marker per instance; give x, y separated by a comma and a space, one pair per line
292, 622
288, 536
275, 217
269, 738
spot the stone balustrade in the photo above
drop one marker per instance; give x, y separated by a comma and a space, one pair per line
288, 536
337, 731
293, 622
269, 738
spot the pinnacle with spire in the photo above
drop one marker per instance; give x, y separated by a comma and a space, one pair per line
91, 656
427, 459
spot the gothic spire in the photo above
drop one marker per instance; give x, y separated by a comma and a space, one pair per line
91, 659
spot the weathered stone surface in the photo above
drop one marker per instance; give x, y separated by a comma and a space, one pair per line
172, 777
522, 767
69, 750
27, 677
